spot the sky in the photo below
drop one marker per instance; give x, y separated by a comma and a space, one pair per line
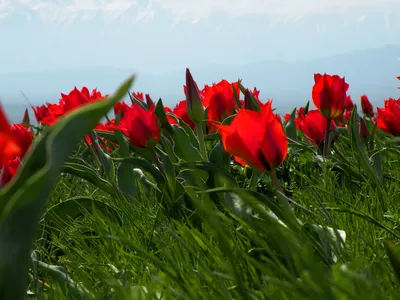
159, 36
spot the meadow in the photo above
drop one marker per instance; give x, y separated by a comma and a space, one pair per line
218, 197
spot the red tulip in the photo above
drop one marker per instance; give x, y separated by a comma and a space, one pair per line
313, 125
180, 110
77, 98
398, 77
389, 116
300, 112
15, 141
349, 105
366, 106
138, 95
140, 126
23, 136
286, 117
220, 100
41, 112
170, 119
364, 133
255, 139
120, 107
9, 170
329, 95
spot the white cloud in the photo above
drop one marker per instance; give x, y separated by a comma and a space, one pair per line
68, 11
65, 11
291, 10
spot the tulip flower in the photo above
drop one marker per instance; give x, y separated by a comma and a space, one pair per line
364, 133
41, 112
9, 170
220, 99
389, 116
140, 126
255, 139
180, 110
366, 106
313, 125
77, 98
138, 95
120, 107
329, 95
349, 105
15, 141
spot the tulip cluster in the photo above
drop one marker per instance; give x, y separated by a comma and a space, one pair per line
255, 137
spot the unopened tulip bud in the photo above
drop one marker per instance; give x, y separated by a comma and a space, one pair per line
194, 105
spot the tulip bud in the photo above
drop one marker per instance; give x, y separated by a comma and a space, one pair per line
149, 101
248, 101
364, 133
25, 120
366, 106
194, 105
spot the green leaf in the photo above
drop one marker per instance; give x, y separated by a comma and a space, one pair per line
306, 107
126, 181
89, 174
219, 156
161, 115
336, 132
23, 199
146, 166
358, 146
184, 149
169, 169
59, 274
290, 127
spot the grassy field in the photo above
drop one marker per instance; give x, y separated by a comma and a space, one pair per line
114, 228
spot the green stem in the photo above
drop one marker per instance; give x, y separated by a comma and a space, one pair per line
254, 179
158, 164
326, 137
285, 202
200, 135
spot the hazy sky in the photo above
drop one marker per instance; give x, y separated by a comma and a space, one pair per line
162, 35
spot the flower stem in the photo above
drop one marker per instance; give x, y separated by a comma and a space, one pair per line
285, 202
254, 179
326, 137
200, 135
158, 164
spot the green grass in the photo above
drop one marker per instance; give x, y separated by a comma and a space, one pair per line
232, 254
212, 230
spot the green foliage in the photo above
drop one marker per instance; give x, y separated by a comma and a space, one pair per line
169, 223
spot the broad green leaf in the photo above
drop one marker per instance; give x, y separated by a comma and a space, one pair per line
126, 181
89, 174
23, 199
184, 149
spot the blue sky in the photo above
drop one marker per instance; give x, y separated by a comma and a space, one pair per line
163, 35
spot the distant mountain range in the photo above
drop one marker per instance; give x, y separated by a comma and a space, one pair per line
369, 71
